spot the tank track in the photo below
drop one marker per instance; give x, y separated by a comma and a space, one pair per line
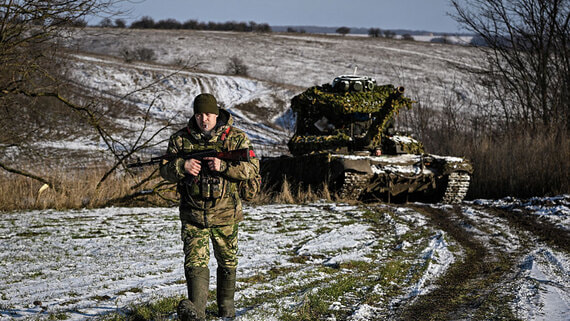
353, 185
457, 186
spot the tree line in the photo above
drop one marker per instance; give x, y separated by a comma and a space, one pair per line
147, 22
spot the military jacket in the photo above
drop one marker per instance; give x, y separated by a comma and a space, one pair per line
211, 198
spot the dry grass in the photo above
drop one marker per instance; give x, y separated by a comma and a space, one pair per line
510, 156
516, 163
78, 189
521, 165
289, 194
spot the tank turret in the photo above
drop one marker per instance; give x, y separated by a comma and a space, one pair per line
351, 114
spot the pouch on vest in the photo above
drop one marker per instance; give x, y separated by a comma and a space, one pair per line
249, 189
210, 187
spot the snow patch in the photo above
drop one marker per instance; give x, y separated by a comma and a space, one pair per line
353, 242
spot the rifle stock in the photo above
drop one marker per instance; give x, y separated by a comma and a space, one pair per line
238, 155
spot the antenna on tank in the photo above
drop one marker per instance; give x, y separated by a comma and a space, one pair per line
354, 74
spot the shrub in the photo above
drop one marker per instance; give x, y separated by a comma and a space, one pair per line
343, 30
236, 66
140, 54
120, 23
145, 54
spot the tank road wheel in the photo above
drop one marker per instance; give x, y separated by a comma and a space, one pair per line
457, 186
353, 185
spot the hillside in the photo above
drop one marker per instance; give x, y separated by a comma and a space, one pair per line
298, 60
279, 67
167, 93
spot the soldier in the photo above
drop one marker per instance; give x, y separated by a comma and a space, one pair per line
210, 206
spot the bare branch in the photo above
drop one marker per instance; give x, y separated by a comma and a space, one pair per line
51, 184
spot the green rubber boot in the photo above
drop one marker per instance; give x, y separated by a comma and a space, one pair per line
197, 280
226, 285
186, 311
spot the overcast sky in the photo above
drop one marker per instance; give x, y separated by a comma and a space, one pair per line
430, 15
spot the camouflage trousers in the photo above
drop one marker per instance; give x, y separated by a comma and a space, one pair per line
197, 245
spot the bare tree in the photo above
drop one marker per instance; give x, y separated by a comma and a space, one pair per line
389, 34
120, 23
106, 23
145, 22
527, 48
34, 97
40, 103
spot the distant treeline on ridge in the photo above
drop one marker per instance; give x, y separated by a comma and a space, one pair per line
147, 22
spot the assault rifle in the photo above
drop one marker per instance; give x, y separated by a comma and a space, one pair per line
239, 155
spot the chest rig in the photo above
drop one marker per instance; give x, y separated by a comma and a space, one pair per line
208, 185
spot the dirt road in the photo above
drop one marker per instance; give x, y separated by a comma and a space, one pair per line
503, 251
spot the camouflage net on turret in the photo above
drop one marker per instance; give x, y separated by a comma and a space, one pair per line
401, 145
312, 143
383, 103
322, 99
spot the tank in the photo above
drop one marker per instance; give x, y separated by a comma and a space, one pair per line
345, 140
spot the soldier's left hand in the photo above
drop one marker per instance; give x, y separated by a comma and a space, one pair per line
214, 163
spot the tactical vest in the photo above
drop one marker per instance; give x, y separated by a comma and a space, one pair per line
208, 186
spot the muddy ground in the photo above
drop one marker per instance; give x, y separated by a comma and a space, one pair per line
481, 260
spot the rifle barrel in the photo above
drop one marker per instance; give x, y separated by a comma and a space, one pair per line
241, 155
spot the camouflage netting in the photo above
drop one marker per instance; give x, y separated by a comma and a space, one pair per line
397, 145
380, 105
313, 143
323, 99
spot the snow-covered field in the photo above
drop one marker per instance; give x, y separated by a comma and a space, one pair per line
85, 263
95, 261
293, 59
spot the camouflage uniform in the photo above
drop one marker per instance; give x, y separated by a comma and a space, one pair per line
210, 209
215, 213
197, 251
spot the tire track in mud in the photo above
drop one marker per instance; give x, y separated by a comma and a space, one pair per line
495, 244
545, 231
469, 289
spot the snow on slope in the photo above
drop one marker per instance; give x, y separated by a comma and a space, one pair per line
168, 91
304, 60
280, 66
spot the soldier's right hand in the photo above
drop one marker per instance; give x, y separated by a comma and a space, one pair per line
192, 166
